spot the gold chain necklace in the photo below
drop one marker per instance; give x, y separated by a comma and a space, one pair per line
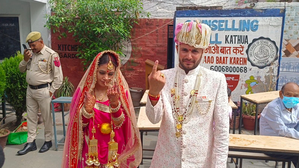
176, 107
101, 97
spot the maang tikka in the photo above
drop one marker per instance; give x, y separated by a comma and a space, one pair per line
110, 64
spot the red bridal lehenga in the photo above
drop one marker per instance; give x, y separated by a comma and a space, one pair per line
96, 141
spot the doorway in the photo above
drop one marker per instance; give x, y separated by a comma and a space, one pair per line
9, 37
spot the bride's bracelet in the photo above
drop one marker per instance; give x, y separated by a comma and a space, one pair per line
119, 120
114, 110
86, 114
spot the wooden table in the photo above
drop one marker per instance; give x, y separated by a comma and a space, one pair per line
256, 98
232, 104
264, 144
145, 125
60, 100
144, 100
237, 142
143, 122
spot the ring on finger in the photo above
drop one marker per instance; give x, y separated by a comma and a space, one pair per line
162, 75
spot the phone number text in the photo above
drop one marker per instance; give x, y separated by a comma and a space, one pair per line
229, 69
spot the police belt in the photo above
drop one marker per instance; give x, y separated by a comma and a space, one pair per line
40, 86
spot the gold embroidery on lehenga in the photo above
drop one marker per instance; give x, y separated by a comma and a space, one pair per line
102, 107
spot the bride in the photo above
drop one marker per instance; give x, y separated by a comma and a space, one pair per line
102, 131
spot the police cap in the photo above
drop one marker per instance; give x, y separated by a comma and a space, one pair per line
33, 36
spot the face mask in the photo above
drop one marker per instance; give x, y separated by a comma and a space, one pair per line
290, 102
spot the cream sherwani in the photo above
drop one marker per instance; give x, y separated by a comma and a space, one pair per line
200, 146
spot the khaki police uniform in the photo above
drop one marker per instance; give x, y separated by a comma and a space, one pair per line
44, 75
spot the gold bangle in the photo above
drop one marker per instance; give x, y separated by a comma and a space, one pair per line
114, 110
84, 124
122, 116
86, 114
119, 120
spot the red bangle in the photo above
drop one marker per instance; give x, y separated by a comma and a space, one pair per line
154, 98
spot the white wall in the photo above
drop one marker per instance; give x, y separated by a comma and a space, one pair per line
31, 15
166, 8
38, 20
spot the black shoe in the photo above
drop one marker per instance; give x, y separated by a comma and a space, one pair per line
46, 146
27, 148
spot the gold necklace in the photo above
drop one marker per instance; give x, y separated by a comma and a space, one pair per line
176, 107
101, 97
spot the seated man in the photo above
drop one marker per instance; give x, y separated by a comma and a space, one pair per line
280, 117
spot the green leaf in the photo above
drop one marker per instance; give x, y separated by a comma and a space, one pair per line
15, 83
66, 89
97, 24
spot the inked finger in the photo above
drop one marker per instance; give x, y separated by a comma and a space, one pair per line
154, 70
115, 88
108, 91
91, 92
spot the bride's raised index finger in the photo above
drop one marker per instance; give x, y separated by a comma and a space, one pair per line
91, 92
154, 70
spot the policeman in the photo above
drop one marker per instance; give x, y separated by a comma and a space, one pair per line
44, 76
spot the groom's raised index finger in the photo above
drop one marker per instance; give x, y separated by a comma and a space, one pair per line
154, 70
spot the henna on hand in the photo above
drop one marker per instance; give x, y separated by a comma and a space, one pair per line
89, 102
113, 96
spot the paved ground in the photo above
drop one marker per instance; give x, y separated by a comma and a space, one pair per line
53, 159
50, 159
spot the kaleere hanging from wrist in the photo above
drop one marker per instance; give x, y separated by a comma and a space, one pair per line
112, 150
93, 152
